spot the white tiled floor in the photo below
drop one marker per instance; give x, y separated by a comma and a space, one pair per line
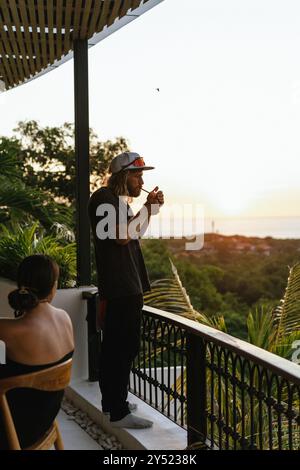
73, 436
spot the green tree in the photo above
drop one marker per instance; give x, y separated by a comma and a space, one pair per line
47, 158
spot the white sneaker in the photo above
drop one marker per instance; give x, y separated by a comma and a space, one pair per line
131, 406
132, 422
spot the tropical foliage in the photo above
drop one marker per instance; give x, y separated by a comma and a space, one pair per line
19, 201
275, 330
37, 191
48, 159
21, 242
222, 281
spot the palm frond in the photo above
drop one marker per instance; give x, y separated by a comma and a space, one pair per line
261, 330
171, 296
287, 314
286, 347
33, 203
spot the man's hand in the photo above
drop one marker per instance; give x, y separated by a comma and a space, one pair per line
154, 201
155, 197
160, 197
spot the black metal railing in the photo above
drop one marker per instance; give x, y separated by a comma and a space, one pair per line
227, 393
232, 394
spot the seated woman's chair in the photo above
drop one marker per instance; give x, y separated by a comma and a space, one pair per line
52, 379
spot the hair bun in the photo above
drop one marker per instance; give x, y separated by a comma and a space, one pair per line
22, 299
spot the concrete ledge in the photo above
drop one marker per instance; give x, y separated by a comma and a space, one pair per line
164, 435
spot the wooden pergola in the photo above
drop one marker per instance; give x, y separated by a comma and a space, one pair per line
39, 35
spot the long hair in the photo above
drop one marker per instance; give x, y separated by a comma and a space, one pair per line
118, 183
36, 277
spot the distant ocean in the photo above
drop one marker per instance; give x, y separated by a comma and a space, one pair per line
276, 227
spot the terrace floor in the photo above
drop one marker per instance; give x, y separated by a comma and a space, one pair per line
164, 435
74, 437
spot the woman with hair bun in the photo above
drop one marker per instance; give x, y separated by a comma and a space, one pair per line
40, 337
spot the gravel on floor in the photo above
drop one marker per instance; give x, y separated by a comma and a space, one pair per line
105, 441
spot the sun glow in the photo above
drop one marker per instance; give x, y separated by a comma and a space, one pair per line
231, 204
230, 199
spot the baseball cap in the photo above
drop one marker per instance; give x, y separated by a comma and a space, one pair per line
128, 161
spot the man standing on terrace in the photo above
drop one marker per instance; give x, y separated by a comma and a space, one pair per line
122, 280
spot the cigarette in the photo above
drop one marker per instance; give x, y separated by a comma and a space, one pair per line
145, 190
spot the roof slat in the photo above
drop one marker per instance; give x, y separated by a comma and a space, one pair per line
78, 12
50, 14
135, 4
115, 12
33, 23
125, 8
41, 17
34, 34
85, 20
59, 12
6, 72
68, 15
95, 17
104, 16
17, 24
27, 35
12, 40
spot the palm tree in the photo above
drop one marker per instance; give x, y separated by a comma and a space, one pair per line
20, 202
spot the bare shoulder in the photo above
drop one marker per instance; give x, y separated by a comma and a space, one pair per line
64, 323
9, 327
62, 315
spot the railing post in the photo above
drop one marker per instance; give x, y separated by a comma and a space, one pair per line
196, 389
94, 339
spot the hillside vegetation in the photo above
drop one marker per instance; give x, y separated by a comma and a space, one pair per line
230, 276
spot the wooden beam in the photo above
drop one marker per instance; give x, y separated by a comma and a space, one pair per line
95, 17
6, 72
125, 8
12, 42
114, 12
59, 16
19, 36
76, 27
27, 34
68, 15
104, 15
50, 31
36, 43
36, 33
135, 4
41, 17
85, 20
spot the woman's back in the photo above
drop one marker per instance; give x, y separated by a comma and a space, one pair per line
44, 335
41, 337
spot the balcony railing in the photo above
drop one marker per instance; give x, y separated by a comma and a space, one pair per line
227, 393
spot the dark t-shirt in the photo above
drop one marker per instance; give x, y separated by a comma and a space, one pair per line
121, 268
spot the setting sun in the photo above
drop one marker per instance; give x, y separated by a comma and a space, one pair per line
230, 202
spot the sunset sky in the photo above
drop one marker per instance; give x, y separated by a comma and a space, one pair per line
224, 129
